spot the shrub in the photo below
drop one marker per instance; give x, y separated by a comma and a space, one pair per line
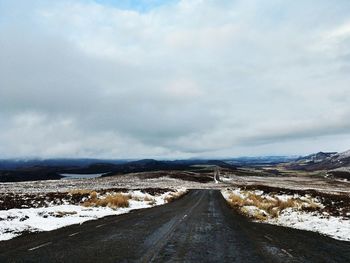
259, 216
272, 205
111, 200
236, 200
80, 191
286, 204
93, 195
148, 199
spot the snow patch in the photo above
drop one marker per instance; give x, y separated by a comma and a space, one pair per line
14, 222
336, 227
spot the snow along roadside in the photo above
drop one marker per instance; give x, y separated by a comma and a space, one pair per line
336, 227
14, 222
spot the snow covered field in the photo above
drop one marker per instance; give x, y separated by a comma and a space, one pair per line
14, 222
128, 181
46, 205
298, 211
292, 182
335, 227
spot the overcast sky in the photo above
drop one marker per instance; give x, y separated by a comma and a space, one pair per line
173, 79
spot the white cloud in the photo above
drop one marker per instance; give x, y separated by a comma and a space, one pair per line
188, 78
340, 32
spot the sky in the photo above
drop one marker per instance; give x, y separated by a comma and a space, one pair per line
173, 79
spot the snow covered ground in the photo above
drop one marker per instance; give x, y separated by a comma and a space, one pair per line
154, 179
128, 181
290, 210
335, 227
14, 222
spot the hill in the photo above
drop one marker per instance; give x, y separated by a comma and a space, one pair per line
16, 171
336, 164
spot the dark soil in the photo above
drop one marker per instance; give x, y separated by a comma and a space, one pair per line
339, 174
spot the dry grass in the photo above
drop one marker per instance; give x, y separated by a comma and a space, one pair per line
170, 198
259, 216
117, 200
310, 206
173, 196
267, 206
148, 199
93, 195
111, 200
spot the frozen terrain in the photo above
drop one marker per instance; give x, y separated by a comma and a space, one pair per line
300, 211
46, 205
174, 180
127, 181
14, 222
321, 184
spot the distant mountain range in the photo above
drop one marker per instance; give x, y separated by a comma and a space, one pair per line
322, 161
261, 160
6, 164
15, 171
336, 164
315, 157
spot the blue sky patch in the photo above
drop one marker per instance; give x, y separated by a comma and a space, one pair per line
138, 5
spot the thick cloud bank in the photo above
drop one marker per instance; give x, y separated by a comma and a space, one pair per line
173, 79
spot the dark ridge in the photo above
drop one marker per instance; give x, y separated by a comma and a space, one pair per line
11, 164
43, 171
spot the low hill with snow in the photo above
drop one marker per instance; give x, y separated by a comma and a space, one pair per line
336, 164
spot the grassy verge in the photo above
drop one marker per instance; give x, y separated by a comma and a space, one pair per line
115, 200
261, 206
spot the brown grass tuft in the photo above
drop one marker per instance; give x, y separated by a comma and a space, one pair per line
111, 200
273, 206
173, 196
148, 199
259, 216
93, 195
235, 200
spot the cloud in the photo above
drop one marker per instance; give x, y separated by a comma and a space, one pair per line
187, 78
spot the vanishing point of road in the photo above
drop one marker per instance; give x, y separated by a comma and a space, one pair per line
199, 227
